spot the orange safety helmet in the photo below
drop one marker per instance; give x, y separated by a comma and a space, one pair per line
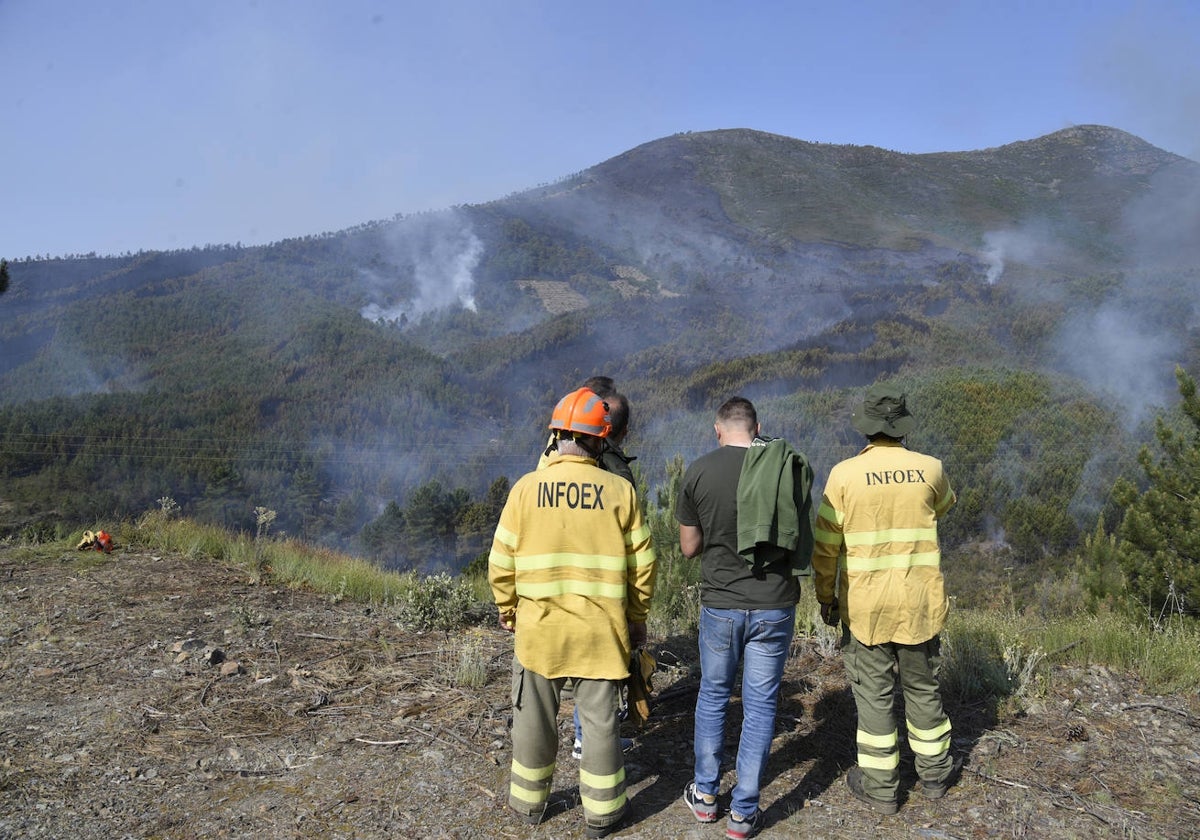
582, 412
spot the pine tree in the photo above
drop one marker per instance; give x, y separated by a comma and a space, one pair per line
383, 538
3, 276
1159, 538
477, 524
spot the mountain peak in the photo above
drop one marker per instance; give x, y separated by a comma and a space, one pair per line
1108, 150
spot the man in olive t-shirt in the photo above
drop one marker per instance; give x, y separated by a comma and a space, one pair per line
747, 617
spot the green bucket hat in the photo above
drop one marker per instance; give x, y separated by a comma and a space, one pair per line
883, 412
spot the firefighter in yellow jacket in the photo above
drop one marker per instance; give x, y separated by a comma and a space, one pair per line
877, 567
572, 573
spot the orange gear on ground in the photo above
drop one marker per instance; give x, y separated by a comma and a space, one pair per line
104, 542
583, 412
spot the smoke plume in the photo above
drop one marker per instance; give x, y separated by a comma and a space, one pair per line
429, 265
1121, 356
1029, 243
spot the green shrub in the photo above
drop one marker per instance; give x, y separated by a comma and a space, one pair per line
676, 604
41, 532
437, 602
973, 667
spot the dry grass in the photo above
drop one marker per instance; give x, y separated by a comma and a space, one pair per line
339, 722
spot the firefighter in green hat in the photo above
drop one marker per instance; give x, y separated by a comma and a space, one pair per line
877, 569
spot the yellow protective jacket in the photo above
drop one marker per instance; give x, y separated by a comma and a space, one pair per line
876, 536
572, 558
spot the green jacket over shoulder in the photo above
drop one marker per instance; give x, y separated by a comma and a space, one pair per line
775, 505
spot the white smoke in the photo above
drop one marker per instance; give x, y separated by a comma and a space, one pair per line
993, 255
1161, 225
1127, 348
1121, 355
432, 260
1023, 245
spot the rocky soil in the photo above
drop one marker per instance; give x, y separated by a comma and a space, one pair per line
163, 696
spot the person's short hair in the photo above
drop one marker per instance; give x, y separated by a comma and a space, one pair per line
618, 410
739, 412
572, 446
602, 386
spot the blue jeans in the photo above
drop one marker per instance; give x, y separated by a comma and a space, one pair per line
758, 640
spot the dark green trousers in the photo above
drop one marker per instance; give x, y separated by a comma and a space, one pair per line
535, 702
874, 671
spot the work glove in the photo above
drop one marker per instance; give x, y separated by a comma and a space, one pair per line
641, 670
830, 613
637, 634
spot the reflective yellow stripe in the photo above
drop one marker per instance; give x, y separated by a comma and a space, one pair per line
609, 563
501, 560
826, 511
532, 774
827, 537
879, 742
643, 558
555, 588
505, 536
928, 734
875, 762
526, 795
605, 806
892, 561
637, 535
945, 504
600, 782
929, 747
904, 535
533, 797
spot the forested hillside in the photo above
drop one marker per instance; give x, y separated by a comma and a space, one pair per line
389, 380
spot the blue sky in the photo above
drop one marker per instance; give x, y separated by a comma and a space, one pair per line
148, 124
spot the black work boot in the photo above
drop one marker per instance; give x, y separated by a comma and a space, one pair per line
880, 806
936, 790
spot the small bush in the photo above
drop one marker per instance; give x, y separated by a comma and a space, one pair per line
468, 665
437, 602
973, 668
1022, 667
41, 533
675, 607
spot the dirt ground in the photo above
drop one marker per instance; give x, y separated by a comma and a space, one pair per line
163, 696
